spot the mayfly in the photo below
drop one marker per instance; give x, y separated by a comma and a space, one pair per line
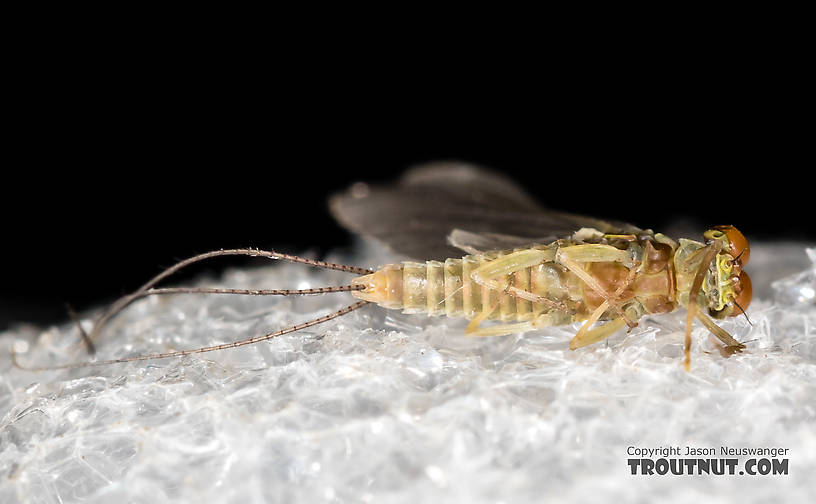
524, 267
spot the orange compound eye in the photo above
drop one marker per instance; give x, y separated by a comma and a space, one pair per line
737, 242
744, 293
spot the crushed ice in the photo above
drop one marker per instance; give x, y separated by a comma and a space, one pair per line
379, 406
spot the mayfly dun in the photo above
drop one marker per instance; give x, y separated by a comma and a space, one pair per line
524, 268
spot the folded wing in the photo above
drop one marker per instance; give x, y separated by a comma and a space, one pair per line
437, 210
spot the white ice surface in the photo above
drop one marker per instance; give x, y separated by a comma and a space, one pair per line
379, 406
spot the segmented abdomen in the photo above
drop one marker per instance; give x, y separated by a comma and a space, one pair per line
438, 288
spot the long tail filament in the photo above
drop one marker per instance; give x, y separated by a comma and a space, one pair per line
149, 290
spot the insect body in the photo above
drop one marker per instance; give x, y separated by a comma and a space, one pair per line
525, 268
592, 277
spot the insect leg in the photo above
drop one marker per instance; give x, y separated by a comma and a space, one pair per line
473, 329
593, 253
719, 332
692, 308
586, 336
501, 329
572, 257
493, 274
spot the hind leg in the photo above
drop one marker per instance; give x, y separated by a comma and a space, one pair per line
587, 336
474, 328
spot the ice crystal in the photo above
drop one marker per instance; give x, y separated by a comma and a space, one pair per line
379, 406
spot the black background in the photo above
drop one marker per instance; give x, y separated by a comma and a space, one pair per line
113, 173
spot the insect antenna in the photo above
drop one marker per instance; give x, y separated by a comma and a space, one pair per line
148, 289
736, 259
743, 312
